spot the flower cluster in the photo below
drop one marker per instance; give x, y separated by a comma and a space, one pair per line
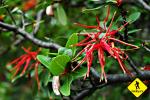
102, 41
23, 62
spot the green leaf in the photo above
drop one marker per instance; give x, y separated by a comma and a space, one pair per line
113, 1
133, 17
16, 10
68, 52
15, 78
44, 60
44, 51
62, 17
58, 64
93, 9
133, 31
65, 88
73, 39
45, 77
61, 50
101, 35
65, 51
79, 73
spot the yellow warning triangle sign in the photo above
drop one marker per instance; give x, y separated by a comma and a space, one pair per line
137, 87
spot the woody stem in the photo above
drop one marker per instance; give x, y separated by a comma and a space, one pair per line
123, 15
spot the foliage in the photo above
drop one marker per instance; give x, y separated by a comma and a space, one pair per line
66, 61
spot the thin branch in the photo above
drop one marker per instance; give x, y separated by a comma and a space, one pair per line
20, 38
88, 91
9, 13
84, 93
11, 16
134, 67
29, 36
123, 14
24, 24
145, 5
146, 48
38, 19
121, 78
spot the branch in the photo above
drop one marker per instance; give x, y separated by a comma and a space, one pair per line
111, 79
29, 37
146, 6
24, 24
38, 19
11, 16
123, 14
84, 93
87, 92
134, 67
121, 78
146, 48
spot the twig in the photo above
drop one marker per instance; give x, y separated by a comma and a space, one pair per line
125, 38
84, 93
146, 6
24, 24
123, 15
20, 38
134, 67
146, 48
29, 37
12, 18
121, 78
38, 19
8, 11
89, 91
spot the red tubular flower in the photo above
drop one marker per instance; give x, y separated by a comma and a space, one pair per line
93, 42
147, 67
23, 62
119, 2
2, 17
29, 4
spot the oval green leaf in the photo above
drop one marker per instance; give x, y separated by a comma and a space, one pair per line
73, 39
58, 64
133, 17
45, 60
62, 17
65, 88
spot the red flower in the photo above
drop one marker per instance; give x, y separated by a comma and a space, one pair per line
29, 4
119, 2
105, 43
146, 67
23, 62
2, 17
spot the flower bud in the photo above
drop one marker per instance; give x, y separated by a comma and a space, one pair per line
49, 10
56, 85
